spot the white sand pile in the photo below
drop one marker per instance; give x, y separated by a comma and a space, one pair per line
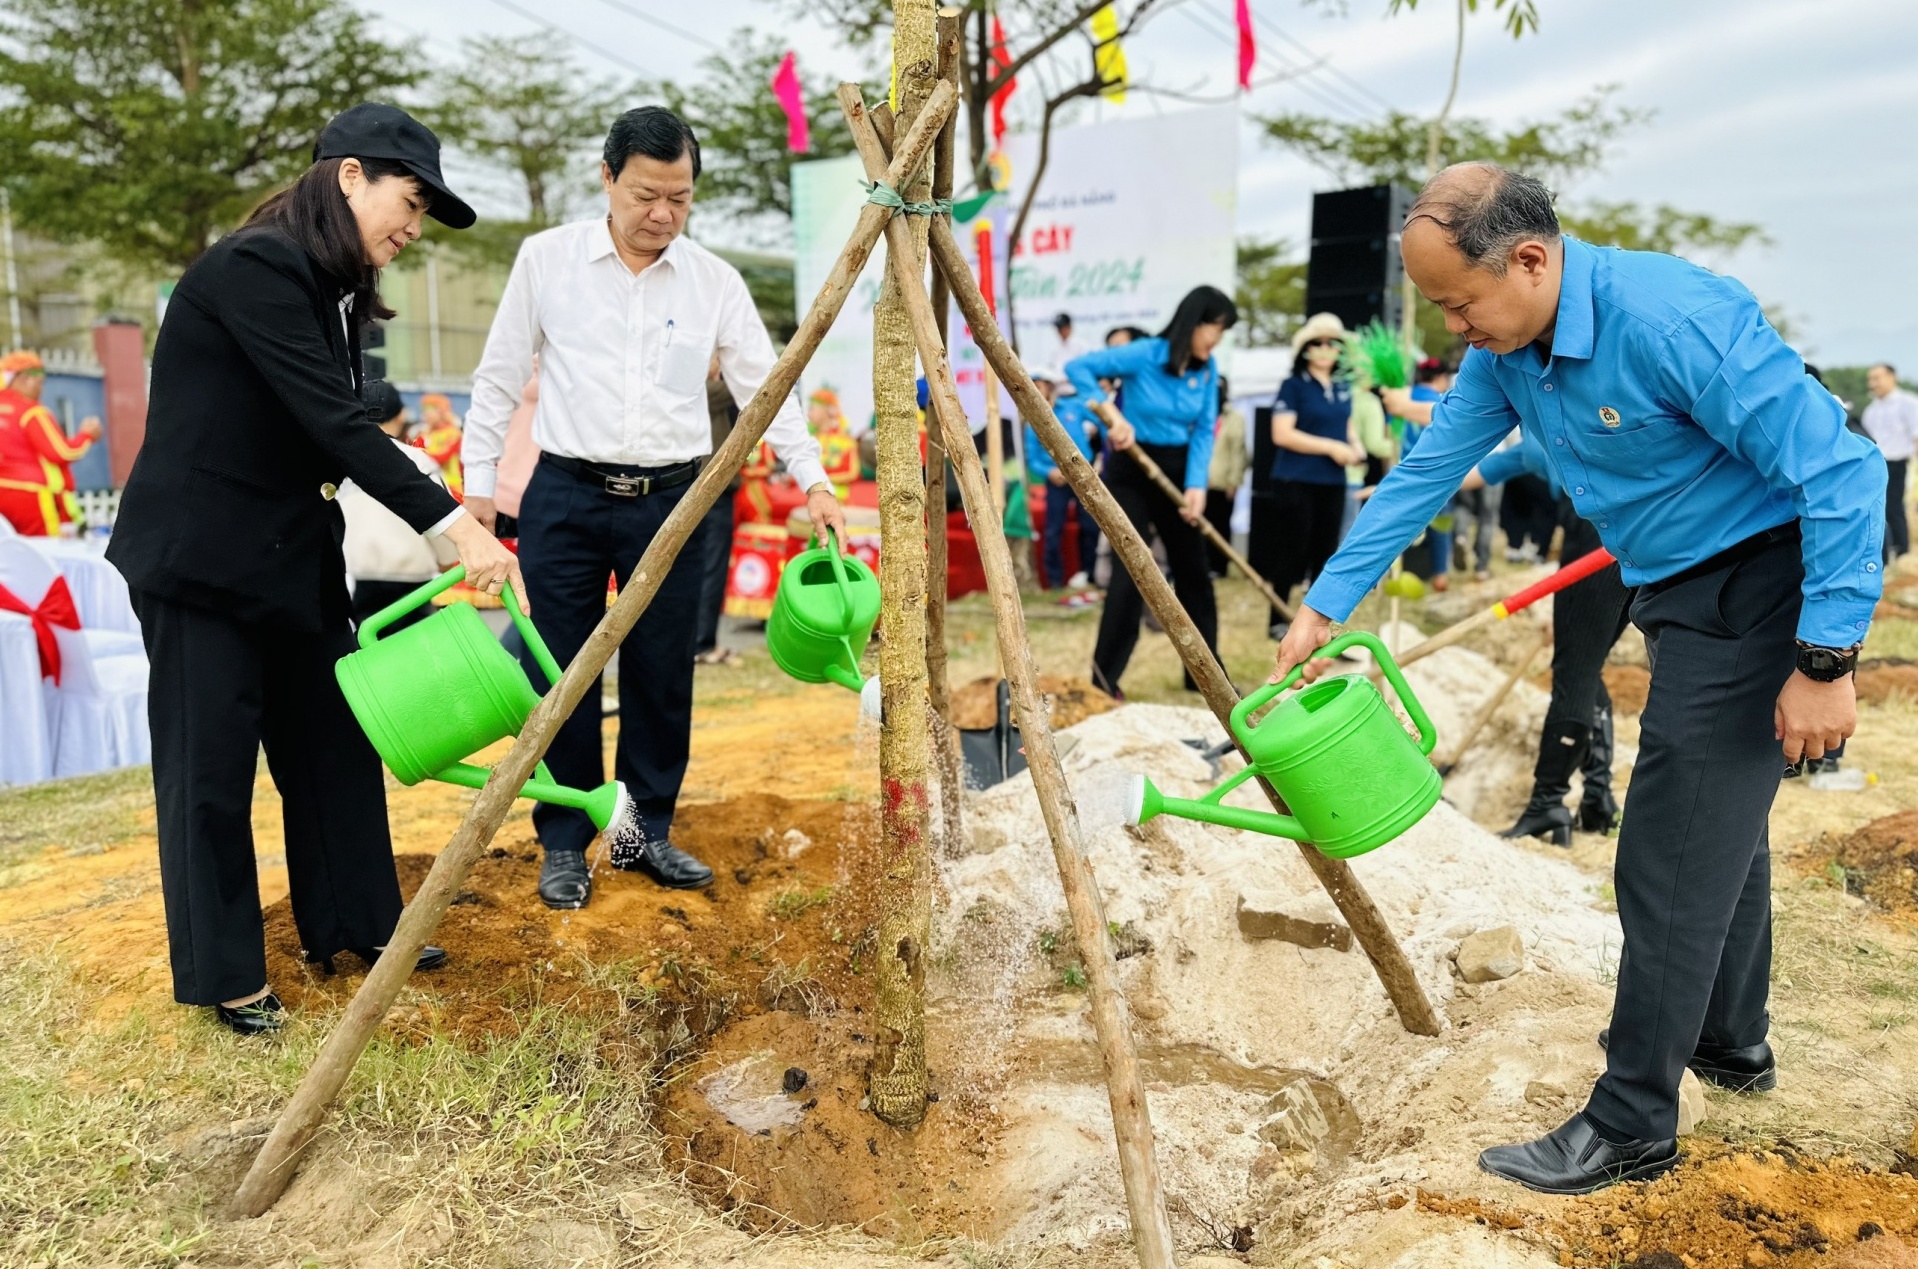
1226, 1023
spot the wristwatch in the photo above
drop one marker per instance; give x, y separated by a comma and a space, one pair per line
1826, 665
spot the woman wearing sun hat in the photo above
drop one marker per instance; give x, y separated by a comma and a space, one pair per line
229, 537
1316, 439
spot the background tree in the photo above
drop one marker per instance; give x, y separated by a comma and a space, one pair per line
1561, 150
742, 131
524, 108
1270, 292
149, 127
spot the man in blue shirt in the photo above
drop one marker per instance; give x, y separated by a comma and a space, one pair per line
1748, 519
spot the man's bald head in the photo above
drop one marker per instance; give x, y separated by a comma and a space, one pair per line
1483, 244
1486, 211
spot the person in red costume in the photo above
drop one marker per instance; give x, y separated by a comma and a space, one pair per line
36, 454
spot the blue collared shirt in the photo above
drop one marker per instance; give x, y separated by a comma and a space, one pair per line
1525, 457
1678, 423
1163, 409
1072, 416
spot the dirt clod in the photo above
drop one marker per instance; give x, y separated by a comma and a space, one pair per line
1070, 700
1880, 862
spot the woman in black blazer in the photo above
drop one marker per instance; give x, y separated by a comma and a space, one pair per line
229, 538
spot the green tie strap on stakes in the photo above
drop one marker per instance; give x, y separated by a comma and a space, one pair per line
886, 196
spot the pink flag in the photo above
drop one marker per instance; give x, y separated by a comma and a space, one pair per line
1248, 46
786, 92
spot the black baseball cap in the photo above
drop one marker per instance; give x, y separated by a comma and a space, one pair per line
372, 130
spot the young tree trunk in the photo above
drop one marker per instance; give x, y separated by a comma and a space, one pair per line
946, 746
898, 1081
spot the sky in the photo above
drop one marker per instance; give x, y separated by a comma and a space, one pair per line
1800, 117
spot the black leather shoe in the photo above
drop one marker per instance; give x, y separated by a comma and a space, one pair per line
430, 958
1574, 1159
1752, 1069
665, 863
263, 1017
564, 879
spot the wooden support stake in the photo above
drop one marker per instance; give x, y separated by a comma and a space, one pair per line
300, 1121
1367, 923
951, 40
1157, 476
1138, 1161
1492, 703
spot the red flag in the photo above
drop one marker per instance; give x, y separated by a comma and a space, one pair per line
786, 92
982, 238
1248, 46
1003, 61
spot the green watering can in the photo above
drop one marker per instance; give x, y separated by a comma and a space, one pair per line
442, 689
1337, 755
822, 618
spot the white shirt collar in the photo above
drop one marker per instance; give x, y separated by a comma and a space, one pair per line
600, 245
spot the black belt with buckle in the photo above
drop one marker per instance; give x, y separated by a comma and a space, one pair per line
627, 482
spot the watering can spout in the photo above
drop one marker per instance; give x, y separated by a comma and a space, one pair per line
1147, 803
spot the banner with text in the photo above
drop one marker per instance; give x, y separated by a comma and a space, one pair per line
1129, 217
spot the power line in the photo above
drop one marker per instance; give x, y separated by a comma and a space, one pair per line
1298, 79
584, 43
665, 26
1289, 38
1316, 65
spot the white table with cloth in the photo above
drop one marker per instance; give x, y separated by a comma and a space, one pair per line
26, 740
99, 592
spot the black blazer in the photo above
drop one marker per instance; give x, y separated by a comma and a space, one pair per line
254, 419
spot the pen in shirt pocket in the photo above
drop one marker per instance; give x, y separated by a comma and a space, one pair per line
669, 332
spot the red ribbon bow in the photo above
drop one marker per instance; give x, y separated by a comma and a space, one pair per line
55, 609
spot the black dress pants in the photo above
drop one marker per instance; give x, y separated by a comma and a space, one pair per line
1897, 522
572, 536
1587, 619
712, 542
1693, 874
1309, 518
219, 690
1218, 511
1148, 508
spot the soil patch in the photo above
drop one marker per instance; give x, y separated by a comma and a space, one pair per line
770, 1126
1723, 1208
1880, 862
1884, 678
779, 927
1736, 1210
1070, 700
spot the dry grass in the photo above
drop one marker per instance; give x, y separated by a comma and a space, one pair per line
83, 814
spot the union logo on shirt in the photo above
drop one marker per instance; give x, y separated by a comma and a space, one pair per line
1608, 416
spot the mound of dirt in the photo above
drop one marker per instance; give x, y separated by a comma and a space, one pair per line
1880, 862
779, 927
1070, 701
1734, 1209
1883, 678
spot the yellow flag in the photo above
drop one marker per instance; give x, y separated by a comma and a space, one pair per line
1109, 58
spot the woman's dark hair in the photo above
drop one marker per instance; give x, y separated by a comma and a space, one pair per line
1431, 370
315, 214
653, 131
1201, 306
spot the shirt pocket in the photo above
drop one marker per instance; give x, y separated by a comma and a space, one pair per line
683, 362
1633, 451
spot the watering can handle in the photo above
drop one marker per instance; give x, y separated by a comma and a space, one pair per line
839, 572
373, 627
1428, 735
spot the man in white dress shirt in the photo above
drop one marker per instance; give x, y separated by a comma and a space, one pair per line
626, 316
1891, 420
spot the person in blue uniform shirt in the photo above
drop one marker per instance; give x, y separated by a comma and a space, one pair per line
1170, 388
1061, 503
1749, 520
